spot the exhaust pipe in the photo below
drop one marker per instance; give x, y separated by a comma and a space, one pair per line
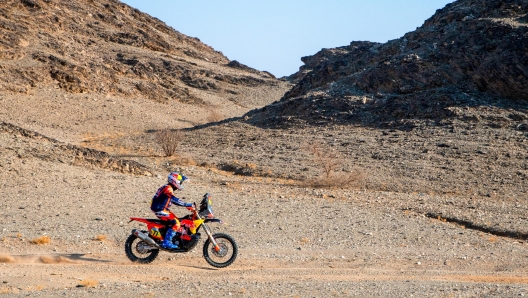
145, 238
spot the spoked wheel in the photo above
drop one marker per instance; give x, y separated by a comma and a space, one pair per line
223, 257
139, 251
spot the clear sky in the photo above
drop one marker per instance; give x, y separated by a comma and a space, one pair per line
273, 35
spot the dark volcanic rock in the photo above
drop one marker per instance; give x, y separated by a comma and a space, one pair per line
469, 53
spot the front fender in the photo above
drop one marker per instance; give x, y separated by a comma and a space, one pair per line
214, 220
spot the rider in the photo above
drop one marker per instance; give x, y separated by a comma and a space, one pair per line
161, 202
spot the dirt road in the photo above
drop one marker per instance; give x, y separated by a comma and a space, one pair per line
111, 275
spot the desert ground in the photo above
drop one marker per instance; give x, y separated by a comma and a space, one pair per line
295, 240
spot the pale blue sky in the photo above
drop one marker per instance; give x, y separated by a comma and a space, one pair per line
273, 35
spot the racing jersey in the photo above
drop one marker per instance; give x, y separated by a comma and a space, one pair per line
164, 198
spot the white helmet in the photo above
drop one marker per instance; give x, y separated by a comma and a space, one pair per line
176, 179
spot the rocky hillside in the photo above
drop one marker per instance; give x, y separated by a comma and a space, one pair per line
470, 53
107, 47
19, 144
101, 67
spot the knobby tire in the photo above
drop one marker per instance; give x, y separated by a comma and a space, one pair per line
218, 237
130, 248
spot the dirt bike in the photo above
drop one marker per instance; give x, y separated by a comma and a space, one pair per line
220, 250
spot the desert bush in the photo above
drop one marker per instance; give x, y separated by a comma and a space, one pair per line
169, 141
328, 161
41, 240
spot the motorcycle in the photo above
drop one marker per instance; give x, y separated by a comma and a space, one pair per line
220, 250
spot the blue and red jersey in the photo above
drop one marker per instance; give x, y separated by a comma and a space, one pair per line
164, 198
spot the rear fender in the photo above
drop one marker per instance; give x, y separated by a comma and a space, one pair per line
156, 229
143, 220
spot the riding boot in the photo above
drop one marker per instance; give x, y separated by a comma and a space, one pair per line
167, 241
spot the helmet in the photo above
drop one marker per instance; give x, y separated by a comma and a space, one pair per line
176, 179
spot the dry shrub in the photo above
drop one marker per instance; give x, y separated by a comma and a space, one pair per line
88, 283
169, 141
41, 240
213, 115
329, 161
100, 238
493, 239
305, 240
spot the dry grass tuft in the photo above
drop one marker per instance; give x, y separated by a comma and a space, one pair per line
100, 238
493, 239
41, 240
88, 283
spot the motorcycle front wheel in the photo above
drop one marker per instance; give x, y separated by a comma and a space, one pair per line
227, 253
139, 251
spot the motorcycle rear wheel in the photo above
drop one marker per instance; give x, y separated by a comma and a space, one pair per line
138, 251
227, 253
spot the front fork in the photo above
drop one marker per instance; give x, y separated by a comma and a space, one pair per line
209, 234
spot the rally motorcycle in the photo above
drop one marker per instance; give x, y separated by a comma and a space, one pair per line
220, 250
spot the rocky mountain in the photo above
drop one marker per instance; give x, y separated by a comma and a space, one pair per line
97, 49
469, 52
